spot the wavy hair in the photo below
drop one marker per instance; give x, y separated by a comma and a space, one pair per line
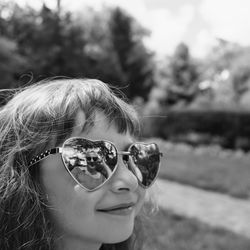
35, 118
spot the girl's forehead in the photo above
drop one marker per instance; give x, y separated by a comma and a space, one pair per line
80, 122
97, 121
102, 129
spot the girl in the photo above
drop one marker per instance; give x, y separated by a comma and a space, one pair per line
51, 197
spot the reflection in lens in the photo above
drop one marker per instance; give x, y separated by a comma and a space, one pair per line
146, 158
91, 163
133, 167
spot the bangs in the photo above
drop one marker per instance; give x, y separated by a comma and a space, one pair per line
99, 97
90, 96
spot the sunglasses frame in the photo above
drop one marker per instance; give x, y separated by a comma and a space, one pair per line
59, 150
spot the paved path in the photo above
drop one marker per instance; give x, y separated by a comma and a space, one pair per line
209, 207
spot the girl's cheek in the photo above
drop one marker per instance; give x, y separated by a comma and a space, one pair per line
142, 195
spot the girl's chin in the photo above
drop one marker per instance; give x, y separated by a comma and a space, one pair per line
117, 238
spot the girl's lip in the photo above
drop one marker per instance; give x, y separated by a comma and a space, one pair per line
119, 207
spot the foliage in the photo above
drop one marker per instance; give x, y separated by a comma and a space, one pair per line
103, 62
212, 108
229, 129
240, 71
11, 62
132, 55
226, 74
183, 76
219, 81
52, 45
177, 85
221, 56
56, 43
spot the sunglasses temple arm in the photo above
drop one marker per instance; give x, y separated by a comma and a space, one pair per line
44, 155
129, 153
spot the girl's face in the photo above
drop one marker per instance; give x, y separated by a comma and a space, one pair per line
76, 213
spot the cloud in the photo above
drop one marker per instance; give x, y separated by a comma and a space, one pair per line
167, 29
203, 43
228, 19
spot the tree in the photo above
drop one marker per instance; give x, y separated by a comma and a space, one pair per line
233, 59
11, 62
183, 76
135, 60
52, 45
56, 43
240, 71
101, 57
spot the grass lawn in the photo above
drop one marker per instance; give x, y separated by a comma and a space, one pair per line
171, 232
231, 175
226, 174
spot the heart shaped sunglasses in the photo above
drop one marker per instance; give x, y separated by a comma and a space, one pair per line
92, 163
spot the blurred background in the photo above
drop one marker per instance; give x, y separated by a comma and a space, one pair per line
183, 64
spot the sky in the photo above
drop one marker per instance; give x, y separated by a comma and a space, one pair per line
195, 22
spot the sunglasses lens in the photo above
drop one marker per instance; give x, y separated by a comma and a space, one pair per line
90, 163
144, 162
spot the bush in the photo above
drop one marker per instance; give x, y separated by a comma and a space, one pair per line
230, 129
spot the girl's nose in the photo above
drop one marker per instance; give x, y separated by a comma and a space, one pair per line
123, 180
